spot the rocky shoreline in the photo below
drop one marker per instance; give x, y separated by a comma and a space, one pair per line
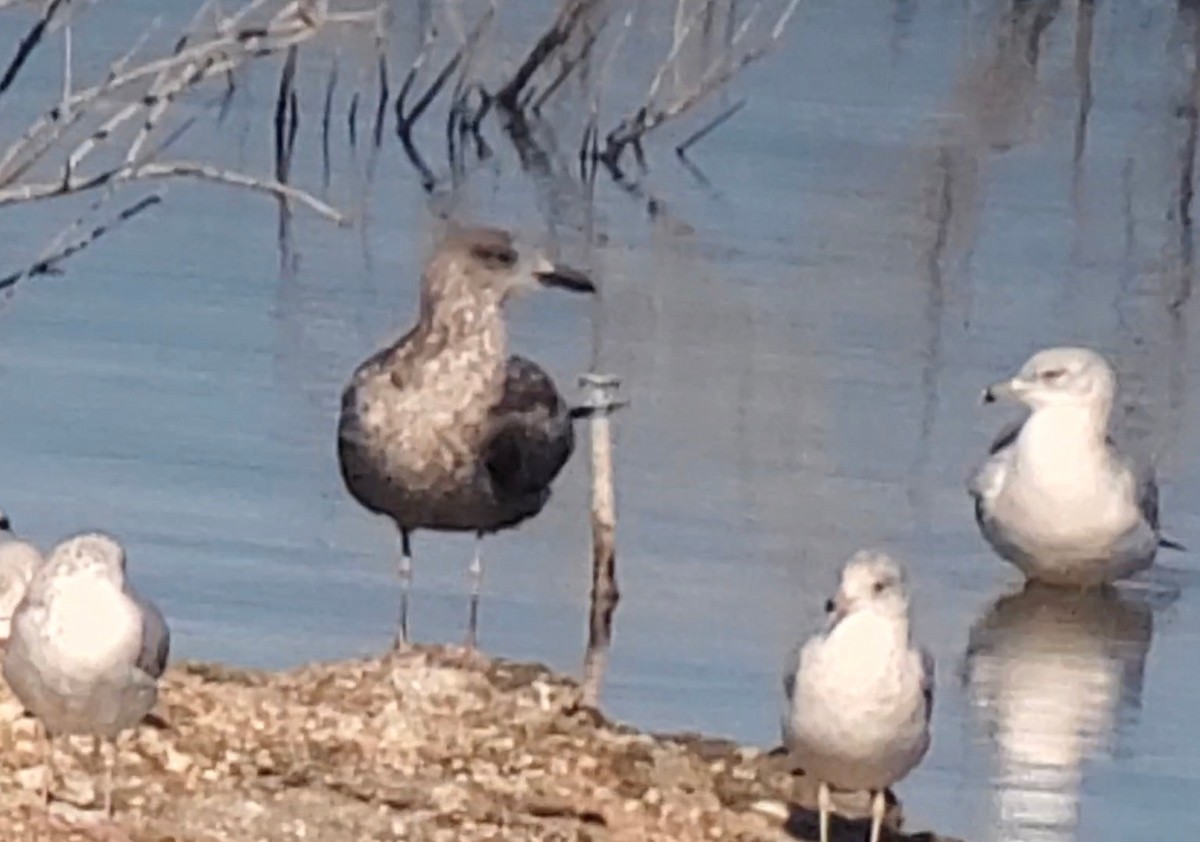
428, 744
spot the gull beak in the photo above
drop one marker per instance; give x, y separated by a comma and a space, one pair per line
563, 277
1004, 390
836, 609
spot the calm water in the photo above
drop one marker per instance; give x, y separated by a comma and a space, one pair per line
917, 196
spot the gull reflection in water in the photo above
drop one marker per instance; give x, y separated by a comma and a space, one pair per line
1053, 675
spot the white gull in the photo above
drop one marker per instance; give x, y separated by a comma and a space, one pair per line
1055, 497
861, 694
86, 650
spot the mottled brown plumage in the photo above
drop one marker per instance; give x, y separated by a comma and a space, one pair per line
443, 430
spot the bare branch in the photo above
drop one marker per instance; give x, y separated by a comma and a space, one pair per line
509, 96
231, 44
28, 44
49, 264
206, 172
285, 129
166, 170
568, 67
66, 62
384, 96
330, 87
631, 130
703, 132
406, 119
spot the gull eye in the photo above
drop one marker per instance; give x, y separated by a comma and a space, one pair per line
1050, 375
880, 586
495, 256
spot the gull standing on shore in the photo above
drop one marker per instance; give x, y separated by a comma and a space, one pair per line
18, 561
443, 430
86, 650
861, 694
1055, 497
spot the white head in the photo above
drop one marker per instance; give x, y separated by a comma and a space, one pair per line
92, 552
871, 581
1059, 377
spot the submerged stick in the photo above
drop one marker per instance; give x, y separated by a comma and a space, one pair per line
509, 96
703, 132
630, 132
27, 45
601, 401
326, 113
48, 264
284, 116
384, 94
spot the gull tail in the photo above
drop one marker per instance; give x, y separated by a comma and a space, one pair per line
1167, 543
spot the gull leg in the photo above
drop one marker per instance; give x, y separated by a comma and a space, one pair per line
48, 764
823, 807
475, 572
405, 571
109, 771
878, 806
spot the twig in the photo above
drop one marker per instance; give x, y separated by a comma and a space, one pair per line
156, 101
226, 101
285, 139
207, 172
326, 113
166, 170
461, 120
384, 95
568, 67
589, 148
231, 44
49, 264
703, 132
509, 96
212, 46
630, 131
682, 30
27, 45
284, 130
159, 100
406, 119
66, 62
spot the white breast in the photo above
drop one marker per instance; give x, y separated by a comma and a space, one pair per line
91, 626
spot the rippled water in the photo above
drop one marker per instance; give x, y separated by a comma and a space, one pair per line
917, 195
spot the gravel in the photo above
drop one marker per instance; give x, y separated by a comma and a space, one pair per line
430, 744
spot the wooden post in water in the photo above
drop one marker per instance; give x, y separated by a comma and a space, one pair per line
601, 391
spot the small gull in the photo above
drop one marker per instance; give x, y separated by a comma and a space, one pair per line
86, 650
861, 694
443, 430
18, 560
1055, 497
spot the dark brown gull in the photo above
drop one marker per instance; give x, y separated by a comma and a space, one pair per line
443, 430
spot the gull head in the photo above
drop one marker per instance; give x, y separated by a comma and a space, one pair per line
871, 581
1059, 377
91, 552
488, 265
